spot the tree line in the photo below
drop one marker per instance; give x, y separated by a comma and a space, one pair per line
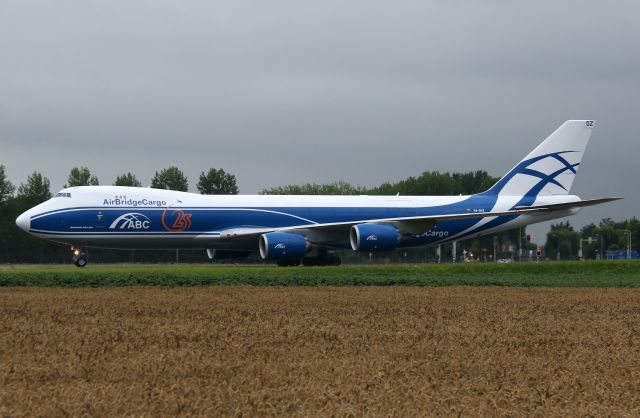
214, 181
563, 241
429, 183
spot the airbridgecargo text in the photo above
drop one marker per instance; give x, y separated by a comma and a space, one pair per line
439, 234
133, 202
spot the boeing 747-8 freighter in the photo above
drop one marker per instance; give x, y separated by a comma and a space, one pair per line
295, 229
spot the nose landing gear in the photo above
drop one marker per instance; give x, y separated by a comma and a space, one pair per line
79, 258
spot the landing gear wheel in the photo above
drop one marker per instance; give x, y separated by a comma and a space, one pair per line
80, 261
288, 263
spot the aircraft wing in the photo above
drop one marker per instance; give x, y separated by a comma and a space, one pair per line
411, 225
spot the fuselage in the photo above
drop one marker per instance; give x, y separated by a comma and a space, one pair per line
130, 217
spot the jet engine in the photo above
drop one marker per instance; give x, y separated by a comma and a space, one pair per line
373, 237
282, 246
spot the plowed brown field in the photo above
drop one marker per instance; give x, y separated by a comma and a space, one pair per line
319, 351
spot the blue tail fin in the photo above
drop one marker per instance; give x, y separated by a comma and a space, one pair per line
551, 167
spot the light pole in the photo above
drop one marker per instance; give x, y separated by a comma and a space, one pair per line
558, 253
495, 246
589, 241
520, 244
628, 233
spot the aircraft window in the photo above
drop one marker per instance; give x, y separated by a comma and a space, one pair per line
60, 194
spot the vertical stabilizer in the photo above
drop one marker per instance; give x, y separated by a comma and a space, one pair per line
551, 167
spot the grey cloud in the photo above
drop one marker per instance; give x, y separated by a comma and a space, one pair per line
287, 91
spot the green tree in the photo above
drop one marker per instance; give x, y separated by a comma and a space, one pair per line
6, 188
81, 177
25, 247
37, 189
170, 178
611, 234
564, 240
590, 250
429, 183
433, 183
633, 225
217, 182
335, 188
127, 180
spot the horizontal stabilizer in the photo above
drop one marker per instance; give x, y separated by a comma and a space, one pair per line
570, 205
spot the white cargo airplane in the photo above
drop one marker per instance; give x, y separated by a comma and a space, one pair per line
294, 229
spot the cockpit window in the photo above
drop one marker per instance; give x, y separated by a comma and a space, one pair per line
61, 194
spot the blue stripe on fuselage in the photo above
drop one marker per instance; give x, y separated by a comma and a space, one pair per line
100, 220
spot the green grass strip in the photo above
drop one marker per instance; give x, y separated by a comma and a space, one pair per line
548, 274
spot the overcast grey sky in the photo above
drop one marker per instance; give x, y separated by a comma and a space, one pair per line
285, 92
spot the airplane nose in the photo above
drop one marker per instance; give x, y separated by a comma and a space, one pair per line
24, 222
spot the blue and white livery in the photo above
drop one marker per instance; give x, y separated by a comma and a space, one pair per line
289, 229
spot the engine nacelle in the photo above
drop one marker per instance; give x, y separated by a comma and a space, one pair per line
373, 237
282, 246
226, 254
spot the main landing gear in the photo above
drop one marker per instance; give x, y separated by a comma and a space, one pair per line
327, 259
324, 258
79, 258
